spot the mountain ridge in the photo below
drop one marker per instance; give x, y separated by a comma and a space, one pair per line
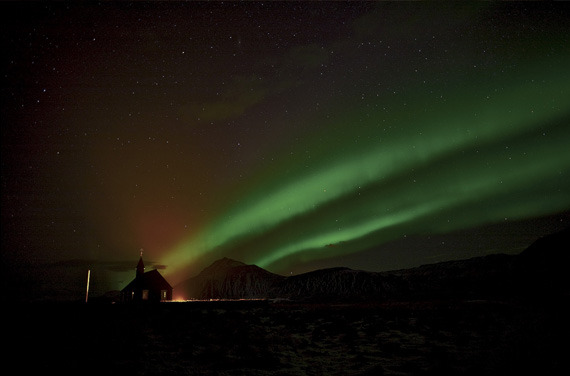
227, 278
537, 271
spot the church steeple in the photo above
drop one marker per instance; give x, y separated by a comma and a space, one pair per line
140, 266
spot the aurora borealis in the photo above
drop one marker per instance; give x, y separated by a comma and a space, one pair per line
291, 135
447, 167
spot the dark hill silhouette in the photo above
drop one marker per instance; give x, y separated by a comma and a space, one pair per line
221, 266
542, 268
548, 251
475, 278
339, 284
537, 271
229, 279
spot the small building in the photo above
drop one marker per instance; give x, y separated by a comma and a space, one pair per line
147, 287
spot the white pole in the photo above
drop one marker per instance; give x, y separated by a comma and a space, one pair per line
87, 292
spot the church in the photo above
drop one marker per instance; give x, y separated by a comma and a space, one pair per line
147, 287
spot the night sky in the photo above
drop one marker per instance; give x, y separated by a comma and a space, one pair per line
290, 135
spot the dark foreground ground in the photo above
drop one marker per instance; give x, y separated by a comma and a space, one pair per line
261, 338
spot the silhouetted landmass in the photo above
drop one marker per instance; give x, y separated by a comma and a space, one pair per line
542, 268
230, 279
405, 327
538, 270
339, 284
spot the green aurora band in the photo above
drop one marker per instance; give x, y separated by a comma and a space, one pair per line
411, 164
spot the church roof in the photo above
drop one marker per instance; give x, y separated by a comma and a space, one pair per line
152, 280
